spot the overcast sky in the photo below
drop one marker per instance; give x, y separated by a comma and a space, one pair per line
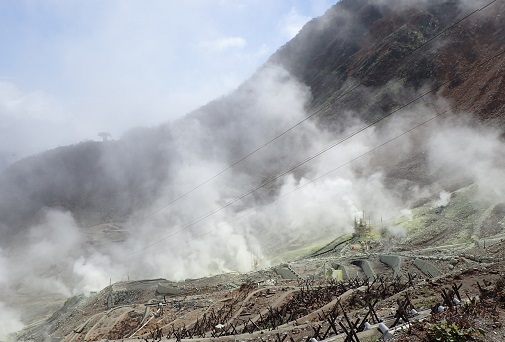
70, 69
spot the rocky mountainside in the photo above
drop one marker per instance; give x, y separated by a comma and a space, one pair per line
376, 43
95, 181
304, 299
393, 109
383, 49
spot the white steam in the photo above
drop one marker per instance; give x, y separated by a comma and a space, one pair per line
444, 199
317, 200
470, 150
11, 321
180, 241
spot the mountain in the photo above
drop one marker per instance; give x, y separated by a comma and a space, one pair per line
383, 47
95, 181
373, 43
387, 114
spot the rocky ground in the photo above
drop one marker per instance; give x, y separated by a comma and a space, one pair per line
322, 296
451, 255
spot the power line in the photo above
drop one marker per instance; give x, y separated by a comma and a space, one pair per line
316, 112
310, 181
203, 217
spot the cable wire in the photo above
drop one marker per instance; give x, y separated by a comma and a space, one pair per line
205, 216
310, 181
316, 112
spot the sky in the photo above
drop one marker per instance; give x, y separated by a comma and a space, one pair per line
70, 69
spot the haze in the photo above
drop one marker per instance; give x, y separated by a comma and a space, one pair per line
71, 69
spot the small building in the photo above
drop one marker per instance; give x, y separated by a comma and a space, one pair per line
361, 227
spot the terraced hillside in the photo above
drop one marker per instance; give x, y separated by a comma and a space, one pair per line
310, 297
396, 111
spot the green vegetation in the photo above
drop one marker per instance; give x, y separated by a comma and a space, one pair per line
456, 222
445, 332
298, 249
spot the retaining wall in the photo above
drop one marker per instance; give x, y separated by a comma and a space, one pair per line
392, 261
427, 268
366, 267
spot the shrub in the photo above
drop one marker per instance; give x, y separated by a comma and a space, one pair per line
445, 332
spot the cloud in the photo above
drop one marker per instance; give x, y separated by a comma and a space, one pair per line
86, 67
224, 44
29, 121
89, 67
33, 106
292, 23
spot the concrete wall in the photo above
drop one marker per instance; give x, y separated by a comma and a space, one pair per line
392, 261
366, 267
427, 268
285, 273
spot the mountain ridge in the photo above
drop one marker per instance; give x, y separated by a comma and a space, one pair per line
322, 71
406, 124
